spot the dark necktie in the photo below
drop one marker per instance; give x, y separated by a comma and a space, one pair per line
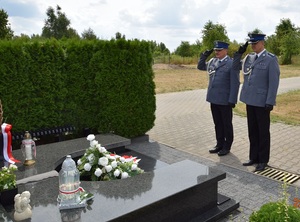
256, 57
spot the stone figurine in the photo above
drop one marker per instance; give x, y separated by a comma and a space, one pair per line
22, 206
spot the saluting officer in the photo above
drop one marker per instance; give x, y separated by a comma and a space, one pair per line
221, 94
259, 91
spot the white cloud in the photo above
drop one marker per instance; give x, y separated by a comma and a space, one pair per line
169, 21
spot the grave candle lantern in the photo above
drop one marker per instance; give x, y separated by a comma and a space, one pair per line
69, 185
28, 148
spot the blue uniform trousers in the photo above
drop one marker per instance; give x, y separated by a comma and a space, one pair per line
258, 119
222, 117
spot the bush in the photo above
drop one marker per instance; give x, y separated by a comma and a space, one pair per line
276, 211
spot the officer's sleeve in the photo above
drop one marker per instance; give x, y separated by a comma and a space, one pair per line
274, 76
234, 85
237, 61
202, 65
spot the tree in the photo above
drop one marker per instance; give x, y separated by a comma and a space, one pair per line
184, 49
287, 40
289, 45
58, 25
273, 45
159, 49
256, 31
212, 32
285, 27
119, 36
22, 37
5, 30
88, 34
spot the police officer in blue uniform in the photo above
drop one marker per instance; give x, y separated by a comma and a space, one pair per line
259, 91
222, 94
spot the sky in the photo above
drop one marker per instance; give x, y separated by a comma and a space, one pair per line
168, 21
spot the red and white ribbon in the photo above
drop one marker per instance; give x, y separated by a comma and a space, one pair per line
72, 191
7, 148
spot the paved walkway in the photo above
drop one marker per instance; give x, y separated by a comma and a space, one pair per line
184, 130
184, 122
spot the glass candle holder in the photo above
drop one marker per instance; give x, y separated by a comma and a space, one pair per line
28, 148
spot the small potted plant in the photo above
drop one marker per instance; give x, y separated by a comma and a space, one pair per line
8, 184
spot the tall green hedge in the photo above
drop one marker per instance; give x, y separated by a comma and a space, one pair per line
106, 86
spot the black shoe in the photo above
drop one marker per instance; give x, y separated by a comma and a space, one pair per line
249, 163
215, 149
223, 152
261, 166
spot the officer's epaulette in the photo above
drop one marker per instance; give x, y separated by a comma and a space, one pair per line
271, 54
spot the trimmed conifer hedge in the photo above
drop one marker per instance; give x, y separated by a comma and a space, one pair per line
106, 86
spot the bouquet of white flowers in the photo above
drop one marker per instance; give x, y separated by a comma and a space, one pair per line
101, 165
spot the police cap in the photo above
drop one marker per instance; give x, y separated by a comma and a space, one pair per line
219, 45
254, 38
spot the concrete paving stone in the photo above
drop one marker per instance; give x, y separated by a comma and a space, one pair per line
185, 128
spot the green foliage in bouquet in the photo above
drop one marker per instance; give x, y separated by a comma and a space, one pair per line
98, 164
8, 177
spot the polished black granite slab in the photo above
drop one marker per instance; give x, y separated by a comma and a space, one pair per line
182, 191
177, 192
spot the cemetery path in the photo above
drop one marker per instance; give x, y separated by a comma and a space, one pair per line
184, 122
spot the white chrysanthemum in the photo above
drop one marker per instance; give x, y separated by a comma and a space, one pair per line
98, 172
91, 158
129, 159
124, 175
114, 157
13, 166
111, 157
93, 143
102, 149
79, 162
103, 161
114, 164
87, 167
90, 137
133, 166
122, 159
117, 173
108, 168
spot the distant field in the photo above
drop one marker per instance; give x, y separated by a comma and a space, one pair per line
175, 78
